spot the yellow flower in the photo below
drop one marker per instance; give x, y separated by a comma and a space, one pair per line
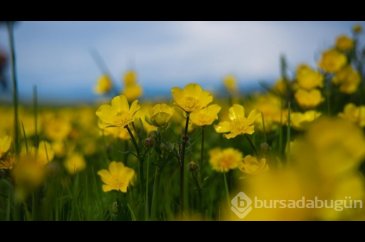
238, 123
132, 92
104, 85
130, 78
191, 98
56, 128
301, 120
58, 148
332, 146
344, 43
75, 163
230, 82
161, 114
308, 99
5, 143
271, 108
348, 79
44, 153
357, 28
354, 114
307, 78
332, 61
280, 86
250, 165
28, 173
118, 114
205, 116
225, 160
118, 177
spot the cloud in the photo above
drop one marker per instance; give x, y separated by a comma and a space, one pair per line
55, 55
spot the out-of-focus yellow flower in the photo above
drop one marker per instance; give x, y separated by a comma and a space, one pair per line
225, 160
250, 165
130, 78
118, 177
308, 99
300, 121
307, 78
103, 85
354, 114
238, 123
271, 108
118, 114
280, 86
161, 114
357, 28
350, 187
272, 186
132, 92
56, 128
28, 171
75, 163
5, 143
332, 61
344, 43
205, 116
44, 153
191, 98
230, 82
58, 148
348, 79
331, 147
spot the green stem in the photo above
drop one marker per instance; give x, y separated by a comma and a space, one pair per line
226, 188
10, 29
288, 130
198, 187
126, 152
155, 194
146, 198
251, 144
139, 156
182, 162
201, 153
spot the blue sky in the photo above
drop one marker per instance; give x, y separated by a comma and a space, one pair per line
55, 56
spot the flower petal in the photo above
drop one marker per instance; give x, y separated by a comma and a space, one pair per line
236, 111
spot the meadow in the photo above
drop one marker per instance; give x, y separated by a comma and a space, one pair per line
295, 151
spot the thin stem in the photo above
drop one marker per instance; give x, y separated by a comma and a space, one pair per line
198, 187
133, 140
10, 29
251, 143
126, 152
182, 162
201, 152
146, 198
155, 194
288, 130
138, 154
263, 126
226, 188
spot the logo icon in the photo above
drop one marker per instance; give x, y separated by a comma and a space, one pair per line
241, 205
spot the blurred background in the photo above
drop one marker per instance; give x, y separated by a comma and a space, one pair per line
56, 56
